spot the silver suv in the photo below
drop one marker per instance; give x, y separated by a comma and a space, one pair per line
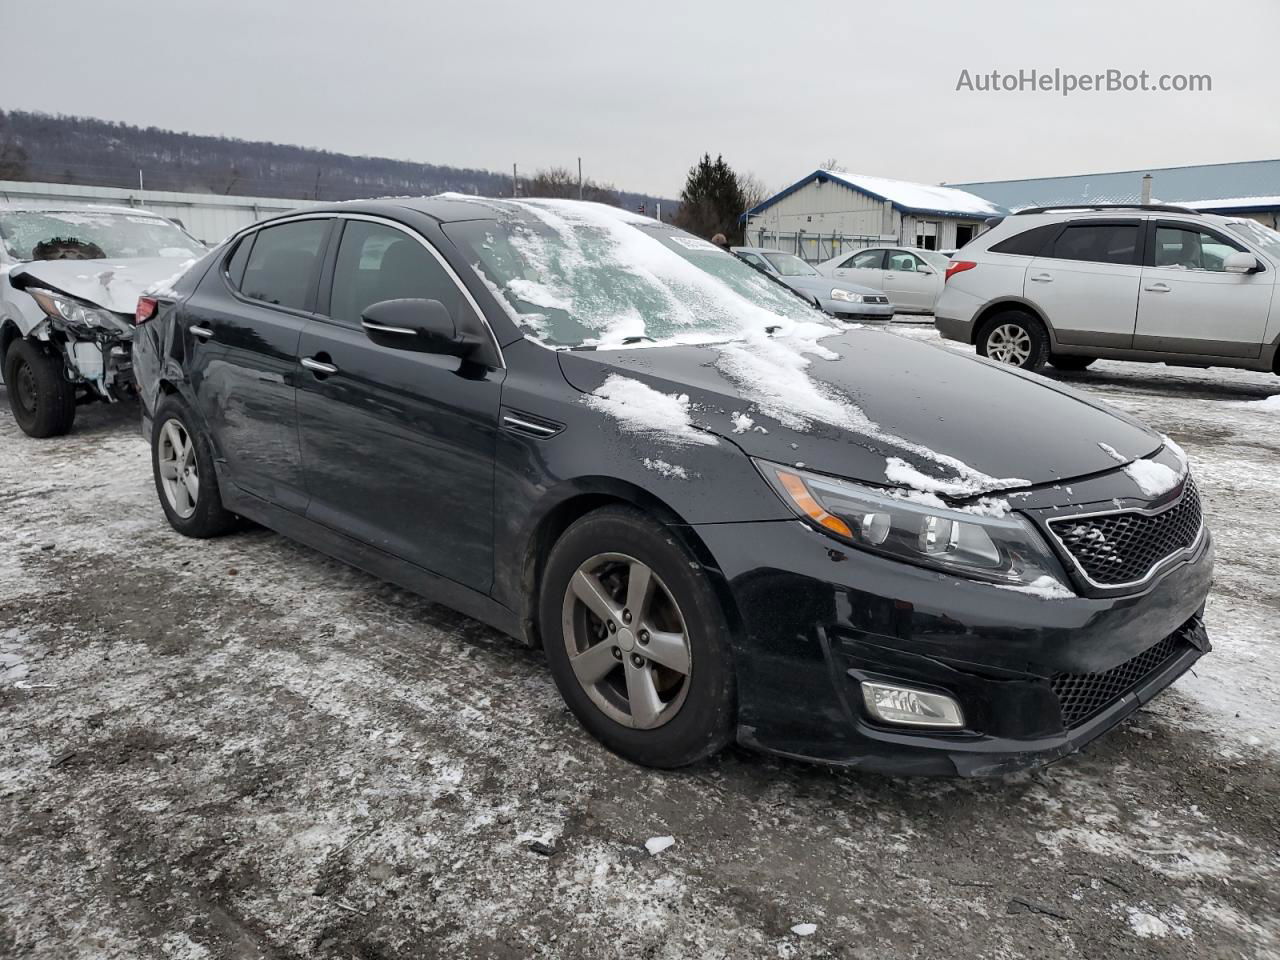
1066, 285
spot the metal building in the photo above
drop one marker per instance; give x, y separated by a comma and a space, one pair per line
1250, 188
827, 213
206, 216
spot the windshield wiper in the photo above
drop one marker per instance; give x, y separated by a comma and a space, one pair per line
630, 340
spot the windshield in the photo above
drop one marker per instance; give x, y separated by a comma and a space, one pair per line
790, 266
1258, 235
92, 235
575, 274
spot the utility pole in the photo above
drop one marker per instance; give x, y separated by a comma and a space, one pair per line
139, 178
579, 178
515, 181
1146, 189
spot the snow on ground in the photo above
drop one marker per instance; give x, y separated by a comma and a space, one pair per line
237, 747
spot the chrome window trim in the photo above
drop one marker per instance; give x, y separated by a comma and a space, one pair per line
1156, 568
372, 218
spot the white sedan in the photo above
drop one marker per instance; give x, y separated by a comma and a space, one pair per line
910, 276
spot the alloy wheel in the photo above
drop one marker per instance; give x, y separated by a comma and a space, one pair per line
1009, 343
179, 470
627, 641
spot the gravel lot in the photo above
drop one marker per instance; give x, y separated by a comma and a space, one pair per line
239, 748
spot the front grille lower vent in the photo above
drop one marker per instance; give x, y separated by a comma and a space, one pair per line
1122, 548
1084, 695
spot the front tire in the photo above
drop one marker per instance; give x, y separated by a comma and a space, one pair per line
1015, 337
636, 640
182, 464
41, 398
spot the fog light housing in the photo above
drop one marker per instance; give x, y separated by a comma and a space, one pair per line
909, 707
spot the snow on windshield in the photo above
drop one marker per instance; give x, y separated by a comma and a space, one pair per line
92, 235
584, 274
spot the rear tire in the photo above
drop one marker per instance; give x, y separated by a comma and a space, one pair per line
41, 398
1070, 361
656, 685
182, 464
1014, 337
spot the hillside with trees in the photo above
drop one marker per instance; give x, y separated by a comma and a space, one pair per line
88, 151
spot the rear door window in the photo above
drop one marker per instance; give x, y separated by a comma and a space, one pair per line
866, 260
377, 262
903, 262
281, 267
1097, 243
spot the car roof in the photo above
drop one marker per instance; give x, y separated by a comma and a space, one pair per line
59, 206
757, 250
454, 207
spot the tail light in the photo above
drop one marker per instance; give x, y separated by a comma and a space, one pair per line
958, 266
148, 307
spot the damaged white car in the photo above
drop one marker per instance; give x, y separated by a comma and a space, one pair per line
70, 278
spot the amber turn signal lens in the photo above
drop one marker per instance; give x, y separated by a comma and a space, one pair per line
810, 507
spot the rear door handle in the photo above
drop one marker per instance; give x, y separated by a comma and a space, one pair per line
1043, 278
319, 367
204, 333
1158, 287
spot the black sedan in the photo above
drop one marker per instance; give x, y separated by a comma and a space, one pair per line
720, 514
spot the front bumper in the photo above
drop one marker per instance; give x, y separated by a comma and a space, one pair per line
860, 311
816, 619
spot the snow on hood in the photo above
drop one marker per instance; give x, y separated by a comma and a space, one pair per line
112, 284
878, 408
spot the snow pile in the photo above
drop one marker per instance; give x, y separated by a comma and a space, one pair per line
642, 410
1270, 405
741, 422
1113, 453
1152, 478
805, 929
666, 469
165, 287
1042, 588
655, 845
967, 481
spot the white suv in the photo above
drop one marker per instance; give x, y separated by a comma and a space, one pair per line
1066, 285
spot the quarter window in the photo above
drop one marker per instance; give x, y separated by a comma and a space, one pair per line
377, 262
236, 264
1029, 243
282, 263
1188, 249
1098, 243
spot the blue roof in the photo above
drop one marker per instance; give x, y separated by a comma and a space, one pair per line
1237, 182
906, 197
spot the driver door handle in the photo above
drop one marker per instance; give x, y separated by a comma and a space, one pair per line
1043, 278
204, 333
1158, 287
319, 366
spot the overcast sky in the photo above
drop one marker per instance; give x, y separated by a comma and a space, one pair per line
640, 90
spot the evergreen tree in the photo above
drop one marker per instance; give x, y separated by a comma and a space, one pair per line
712, 200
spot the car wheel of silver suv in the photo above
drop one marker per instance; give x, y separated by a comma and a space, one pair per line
1014, 337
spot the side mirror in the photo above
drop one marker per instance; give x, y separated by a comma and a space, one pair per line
424, 326
1240, 262
926, 271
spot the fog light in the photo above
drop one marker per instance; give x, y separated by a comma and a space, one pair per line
908, 707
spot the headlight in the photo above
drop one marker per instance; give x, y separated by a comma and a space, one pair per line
1000, 549
846, 296
76, 314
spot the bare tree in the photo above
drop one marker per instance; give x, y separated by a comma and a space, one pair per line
832, 164
753, 189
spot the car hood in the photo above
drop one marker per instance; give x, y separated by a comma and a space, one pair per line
822, 286
880, 408
112, 284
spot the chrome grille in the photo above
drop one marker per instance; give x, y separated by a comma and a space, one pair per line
1116, 549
